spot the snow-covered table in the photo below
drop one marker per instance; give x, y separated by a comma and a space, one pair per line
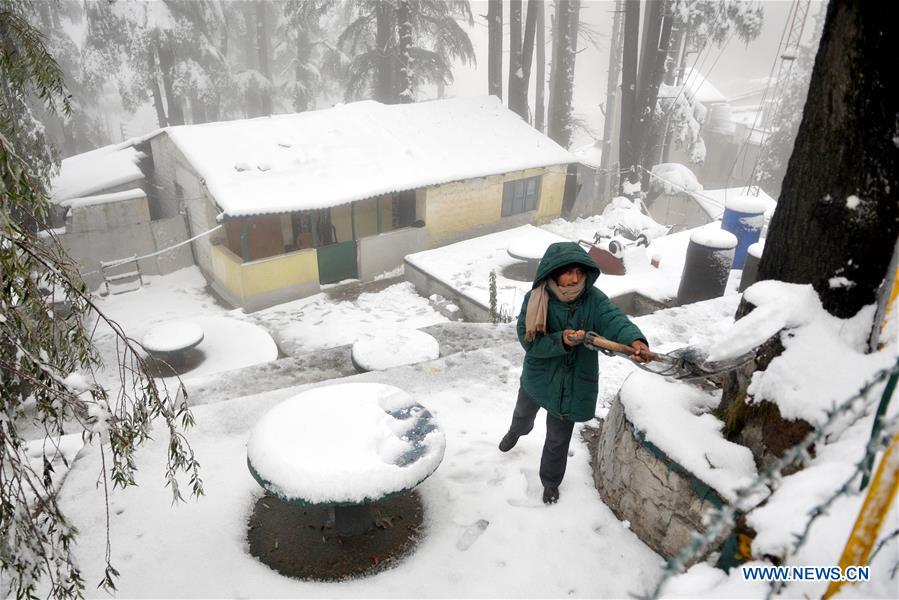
394, 347
530, 251
345, 446
170, 340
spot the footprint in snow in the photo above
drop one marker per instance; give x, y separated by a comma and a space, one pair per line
471, 535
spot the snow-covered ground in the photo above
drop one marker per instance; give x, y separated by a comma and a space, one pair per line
576, 548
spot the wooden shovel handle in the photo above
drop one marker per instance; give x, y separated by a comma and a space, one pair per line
601, 342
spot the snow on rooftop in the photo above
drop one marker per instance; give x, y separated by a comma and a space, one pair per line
324, 158
698, 88
132, 194
713, 201
91, 172
589, 155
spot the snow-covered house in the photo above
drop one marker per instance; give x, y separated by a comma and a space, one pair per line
103, 209
317, 197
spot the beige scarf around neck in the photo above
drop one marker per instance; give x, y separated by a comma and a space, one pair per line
535, 317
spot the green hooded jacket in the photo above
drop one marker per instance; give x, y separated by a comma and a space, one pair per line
566, 382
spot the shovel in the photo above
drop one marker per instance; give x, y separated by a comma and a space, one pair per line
684, 363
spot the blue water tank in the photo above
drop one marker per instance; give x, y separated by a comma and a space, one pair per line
744, 216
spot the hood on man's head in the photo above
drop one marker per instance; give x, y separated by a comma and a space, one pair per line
561, 254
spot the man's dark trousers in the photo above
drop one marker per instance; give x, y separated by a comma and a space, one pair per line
558, 436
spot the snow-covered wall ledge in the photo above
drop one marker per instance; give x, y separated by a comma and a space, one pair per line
662, 462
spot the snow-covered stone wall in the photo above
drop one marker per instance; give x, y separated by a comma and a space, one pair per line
663, 502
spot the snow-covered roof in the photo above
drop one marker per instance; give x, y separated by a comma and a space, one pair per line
324, 158
91, 172
712, 201
590, 154
698, 88
132, 194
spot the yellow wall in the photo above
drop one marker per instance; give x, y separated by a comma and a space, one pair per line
551, 191
454, 208
226, 270
246, 280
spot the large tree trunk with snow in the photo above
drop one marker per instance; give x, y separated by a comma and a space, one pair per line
495, 48
404, 29
153, 79
167, 66
837, 218
565, 41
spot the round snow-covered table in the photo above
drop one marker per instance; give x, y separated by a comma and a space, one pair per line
345, 446
395, 347
170, 340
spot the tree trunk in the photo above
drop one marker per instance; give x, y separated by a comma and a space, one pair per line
515, 92
495, 48
262, 51
253, 97
301, 96
563, 80
657, 53
404, 28
627, 151
838, 215
167, 66
385, 86
527, 55
540, 83
837, 218
153, 80
605, 179
198, 109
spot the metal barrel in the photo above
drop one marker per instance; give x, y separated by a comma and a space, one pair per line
707, 265
744, 217
751, 266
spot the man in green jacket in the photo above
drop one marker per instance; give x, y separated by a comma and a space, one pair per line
559, 374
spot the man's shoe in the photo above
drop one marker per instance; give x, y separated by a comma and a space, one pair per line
508, 442
550, 495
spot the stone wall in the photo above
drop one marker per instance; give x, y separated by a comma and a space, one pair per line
662, 501
108, 231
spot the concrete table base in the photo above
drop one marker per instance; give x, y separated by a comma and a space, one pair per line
305, 542
353, 520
